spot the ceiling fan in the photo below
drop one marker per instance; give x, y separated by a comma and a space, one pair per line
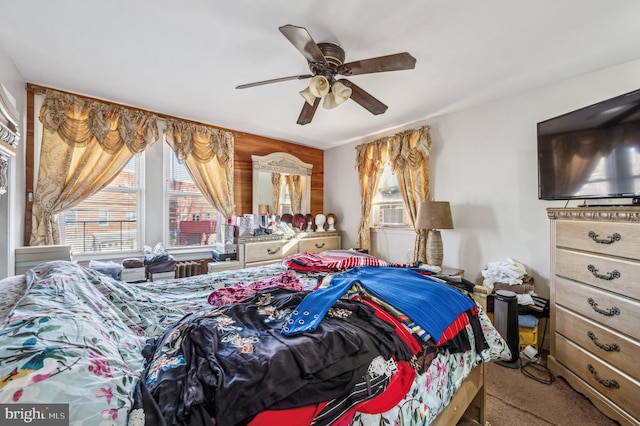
326, 62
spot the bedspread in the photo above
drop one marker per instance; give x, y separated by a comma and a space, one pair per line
76, 337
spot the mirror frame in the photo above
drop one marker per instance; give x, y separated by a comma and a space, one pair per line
281, 162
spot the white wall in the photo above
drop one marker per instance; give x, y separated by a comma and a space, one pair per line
12, 203
483, 163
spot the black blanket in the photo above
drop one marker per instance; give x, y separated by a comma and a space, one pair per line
231, 362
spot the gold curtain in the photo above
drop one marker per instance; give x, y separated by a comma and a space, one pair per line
276, 191
409, 158
294, 183
408, 154
85, 145
207, 153
370, 159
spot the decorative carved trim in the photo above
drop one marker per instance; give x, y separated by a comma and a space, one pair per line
281, 162
9, 134
4, 180
597, 214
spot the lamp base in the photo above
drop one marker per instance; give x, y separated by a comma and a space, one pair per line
434, 248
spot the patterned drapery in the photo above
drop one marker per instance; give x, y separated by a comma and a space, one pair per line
408, 154
295, 182
207, 153
85, 145
276, 191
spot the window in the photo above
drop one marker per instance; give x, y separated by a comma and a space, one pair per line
388, 206
285, 204
107, 221
191, 219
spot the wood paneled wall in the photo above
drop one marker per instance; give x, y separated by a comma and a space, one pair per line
247, 145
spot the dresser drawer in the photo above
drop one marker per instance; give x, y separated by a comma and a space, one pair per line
611, 238
610, 346
269, 250
316, 245
612, 383
614, 311
612, 274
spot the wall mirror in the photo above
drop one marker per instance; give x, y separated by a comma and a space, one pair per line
281, 184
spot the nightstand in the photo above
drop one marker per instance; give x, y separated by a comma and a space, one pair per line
452, 272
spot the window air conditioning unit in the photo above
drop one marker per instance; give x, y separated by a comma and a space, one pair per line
392, 216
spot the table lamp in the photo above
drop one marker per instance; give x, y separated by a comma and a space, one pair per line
434, 215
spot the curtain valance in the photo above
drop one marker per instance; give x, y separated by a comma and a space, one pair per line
79, 120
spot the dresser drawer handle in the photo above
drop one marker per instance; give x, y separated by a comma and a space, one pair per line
273, 251
608, 276
609, 348
607, 383
609, 240
319, 245
606, 312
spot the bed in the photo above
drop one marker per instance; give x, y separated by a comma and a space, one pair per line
136, 353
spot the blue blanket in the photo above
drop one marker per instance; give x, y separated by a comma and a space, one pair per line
427, 302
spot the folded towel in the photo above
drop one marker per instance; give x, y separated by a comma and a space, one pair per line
528, 321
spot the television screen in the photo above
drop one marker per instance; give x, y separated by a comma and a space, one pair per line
591, 153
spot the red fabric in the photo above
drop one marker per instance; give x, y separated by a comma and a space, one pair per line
330, 261
302, 416
455, 327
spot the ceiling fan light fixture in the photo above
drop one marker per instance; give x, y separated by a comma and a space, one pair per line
308, 96
319, 86
326, 61
329, 101
341, 92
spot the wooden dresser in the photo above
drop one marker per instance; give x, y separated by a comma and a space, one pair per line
255, 251
595, 306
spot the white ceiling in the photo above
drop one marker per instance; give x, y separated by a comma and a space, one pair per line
185, 58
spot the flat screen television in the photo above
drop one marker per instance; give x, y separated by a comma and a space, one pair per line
592, 153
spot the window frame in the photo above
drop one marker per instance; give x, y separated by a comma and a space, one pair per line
167, 157
376, 206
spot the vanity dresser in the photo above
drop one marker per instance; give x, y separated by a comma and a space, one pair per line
595, 306
263, 250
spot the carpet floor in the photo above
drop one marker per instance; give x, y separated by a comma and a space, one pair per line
516, 399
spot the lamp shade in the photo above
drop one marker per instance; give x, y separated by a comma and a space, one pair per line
339, 94
434, 215
319, 86
308, 96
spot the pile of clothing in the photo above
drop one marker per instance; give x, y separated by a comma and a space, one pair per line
508, 275
512, 276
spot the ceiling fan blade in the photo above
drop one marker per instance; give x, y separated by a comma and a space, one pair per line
396, 62
274, 80
307, 113
301, 39
367, 101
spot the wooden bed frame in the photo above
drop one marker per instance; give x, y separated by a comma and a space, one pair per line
468, 402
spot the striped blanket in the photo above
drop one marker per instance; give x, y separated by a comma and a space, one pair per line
330, 261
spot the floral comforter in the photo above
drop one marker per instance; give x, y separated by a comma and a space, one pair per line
76, 337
